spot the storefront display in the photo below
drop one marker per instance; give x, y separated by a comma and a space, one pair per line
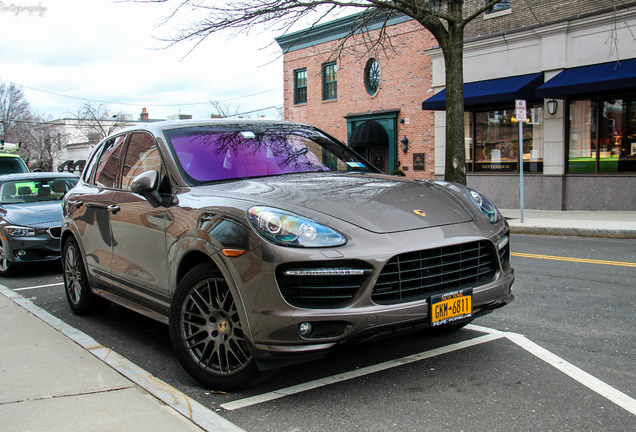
492, 141
602, 135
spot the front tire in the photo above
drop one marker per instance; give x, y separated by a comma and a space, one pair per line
207, 333
78, 293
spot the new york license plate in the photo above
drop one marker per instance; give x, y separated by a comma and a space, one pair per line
451, 306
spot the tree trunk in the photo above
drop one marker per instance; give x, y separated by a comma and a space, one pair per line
455, 169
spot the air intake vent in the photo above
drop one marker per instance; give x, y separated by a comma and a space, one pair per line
418, 275
321, 284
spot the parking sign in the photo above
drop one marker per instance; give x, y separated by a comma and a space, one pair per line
520, 110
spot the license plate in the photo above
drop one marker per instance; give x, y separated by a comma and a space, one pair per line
451, 307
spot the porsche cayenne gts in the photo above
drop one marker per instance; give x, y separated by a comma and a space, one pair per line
260, 243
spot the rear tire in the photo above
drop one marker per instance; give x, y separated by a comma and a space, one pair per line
78, 293
207, 334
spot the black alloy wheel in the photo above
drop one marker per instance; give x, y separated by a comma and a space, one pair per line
80, 298
207, 333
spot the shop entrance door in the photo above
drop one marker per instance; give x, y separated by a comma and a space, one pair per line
373, 137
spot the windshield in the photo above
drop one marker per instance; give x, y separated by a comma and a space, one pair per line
41, 189
210, 153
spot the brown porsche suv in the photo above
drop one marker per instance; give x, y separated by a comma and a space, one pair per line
260, 243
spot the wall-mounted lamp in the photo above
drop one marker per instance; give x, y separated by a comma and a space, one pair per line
552, 106
405, 144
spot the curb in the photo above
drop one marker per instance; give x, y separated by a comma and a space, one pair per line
573, 232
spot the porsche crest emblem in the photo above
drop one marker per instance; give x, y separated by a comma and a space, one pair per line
419, 213
222, 326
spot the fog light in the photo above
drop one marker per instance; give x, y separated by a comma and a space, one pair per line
304, 329
21, 253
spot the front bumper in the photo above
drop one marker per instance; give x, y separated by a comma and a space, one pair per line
355, 324
42, 247
272, 309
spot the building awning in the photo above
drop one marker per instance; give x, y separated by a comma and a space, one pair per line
495, 91
77, 164
61, 167
616, 75
369, 134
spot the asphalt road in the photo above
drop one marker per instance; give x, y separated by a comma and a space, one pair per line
561, 357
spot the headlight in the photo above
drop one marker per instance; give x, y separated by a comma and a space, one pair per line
18, 231
287, 229
484, 205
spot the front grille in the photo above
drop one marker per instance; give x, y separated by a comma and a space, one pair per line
55, 232
321, 291
418, 275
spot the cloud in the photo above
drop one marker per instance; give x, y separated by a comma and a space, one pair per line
110, 51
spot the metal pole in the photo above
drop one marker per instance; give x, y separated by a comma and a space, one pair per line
521, 169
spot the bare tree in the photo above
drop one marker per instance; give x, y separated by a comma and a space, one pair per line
445, 19
44, 143
96, 122
612, 39
224, 110
15, 113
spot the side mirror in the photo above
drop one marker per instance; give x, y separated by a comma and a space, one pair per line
145, 184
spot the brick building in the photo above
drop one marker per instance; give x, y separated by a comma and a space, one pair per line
573, 61
364, 91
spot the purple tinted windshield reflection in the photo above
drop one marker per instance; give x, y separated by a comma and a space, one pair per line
224, 155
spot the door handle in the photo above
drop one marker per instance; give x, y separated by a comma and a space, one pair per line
93, 205
113, 208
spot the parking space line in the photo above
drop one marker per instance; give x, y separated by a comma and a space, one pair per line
38, 286
265, 397
591, 382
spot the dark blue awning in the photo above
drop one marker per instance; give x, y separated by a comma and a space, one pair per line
495, 91
616, 75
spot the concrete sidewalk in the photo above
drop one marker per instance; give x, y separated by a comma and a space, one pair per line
618, 224
56, 378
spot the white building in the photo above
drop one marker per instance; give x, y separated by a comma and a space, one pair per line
578, 76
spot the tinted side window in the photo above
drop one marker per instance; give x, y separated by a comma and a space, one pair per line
89, 173
108, 164
142, 155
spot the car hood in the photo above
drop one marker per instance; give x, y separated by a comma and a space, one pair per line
377, 203
39, 214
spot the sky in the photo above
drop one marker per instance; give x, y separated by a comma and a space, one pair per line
64, 53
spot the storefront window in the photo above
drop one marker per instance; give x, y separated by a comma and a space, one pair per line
492, 141
582, 152
602, 136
